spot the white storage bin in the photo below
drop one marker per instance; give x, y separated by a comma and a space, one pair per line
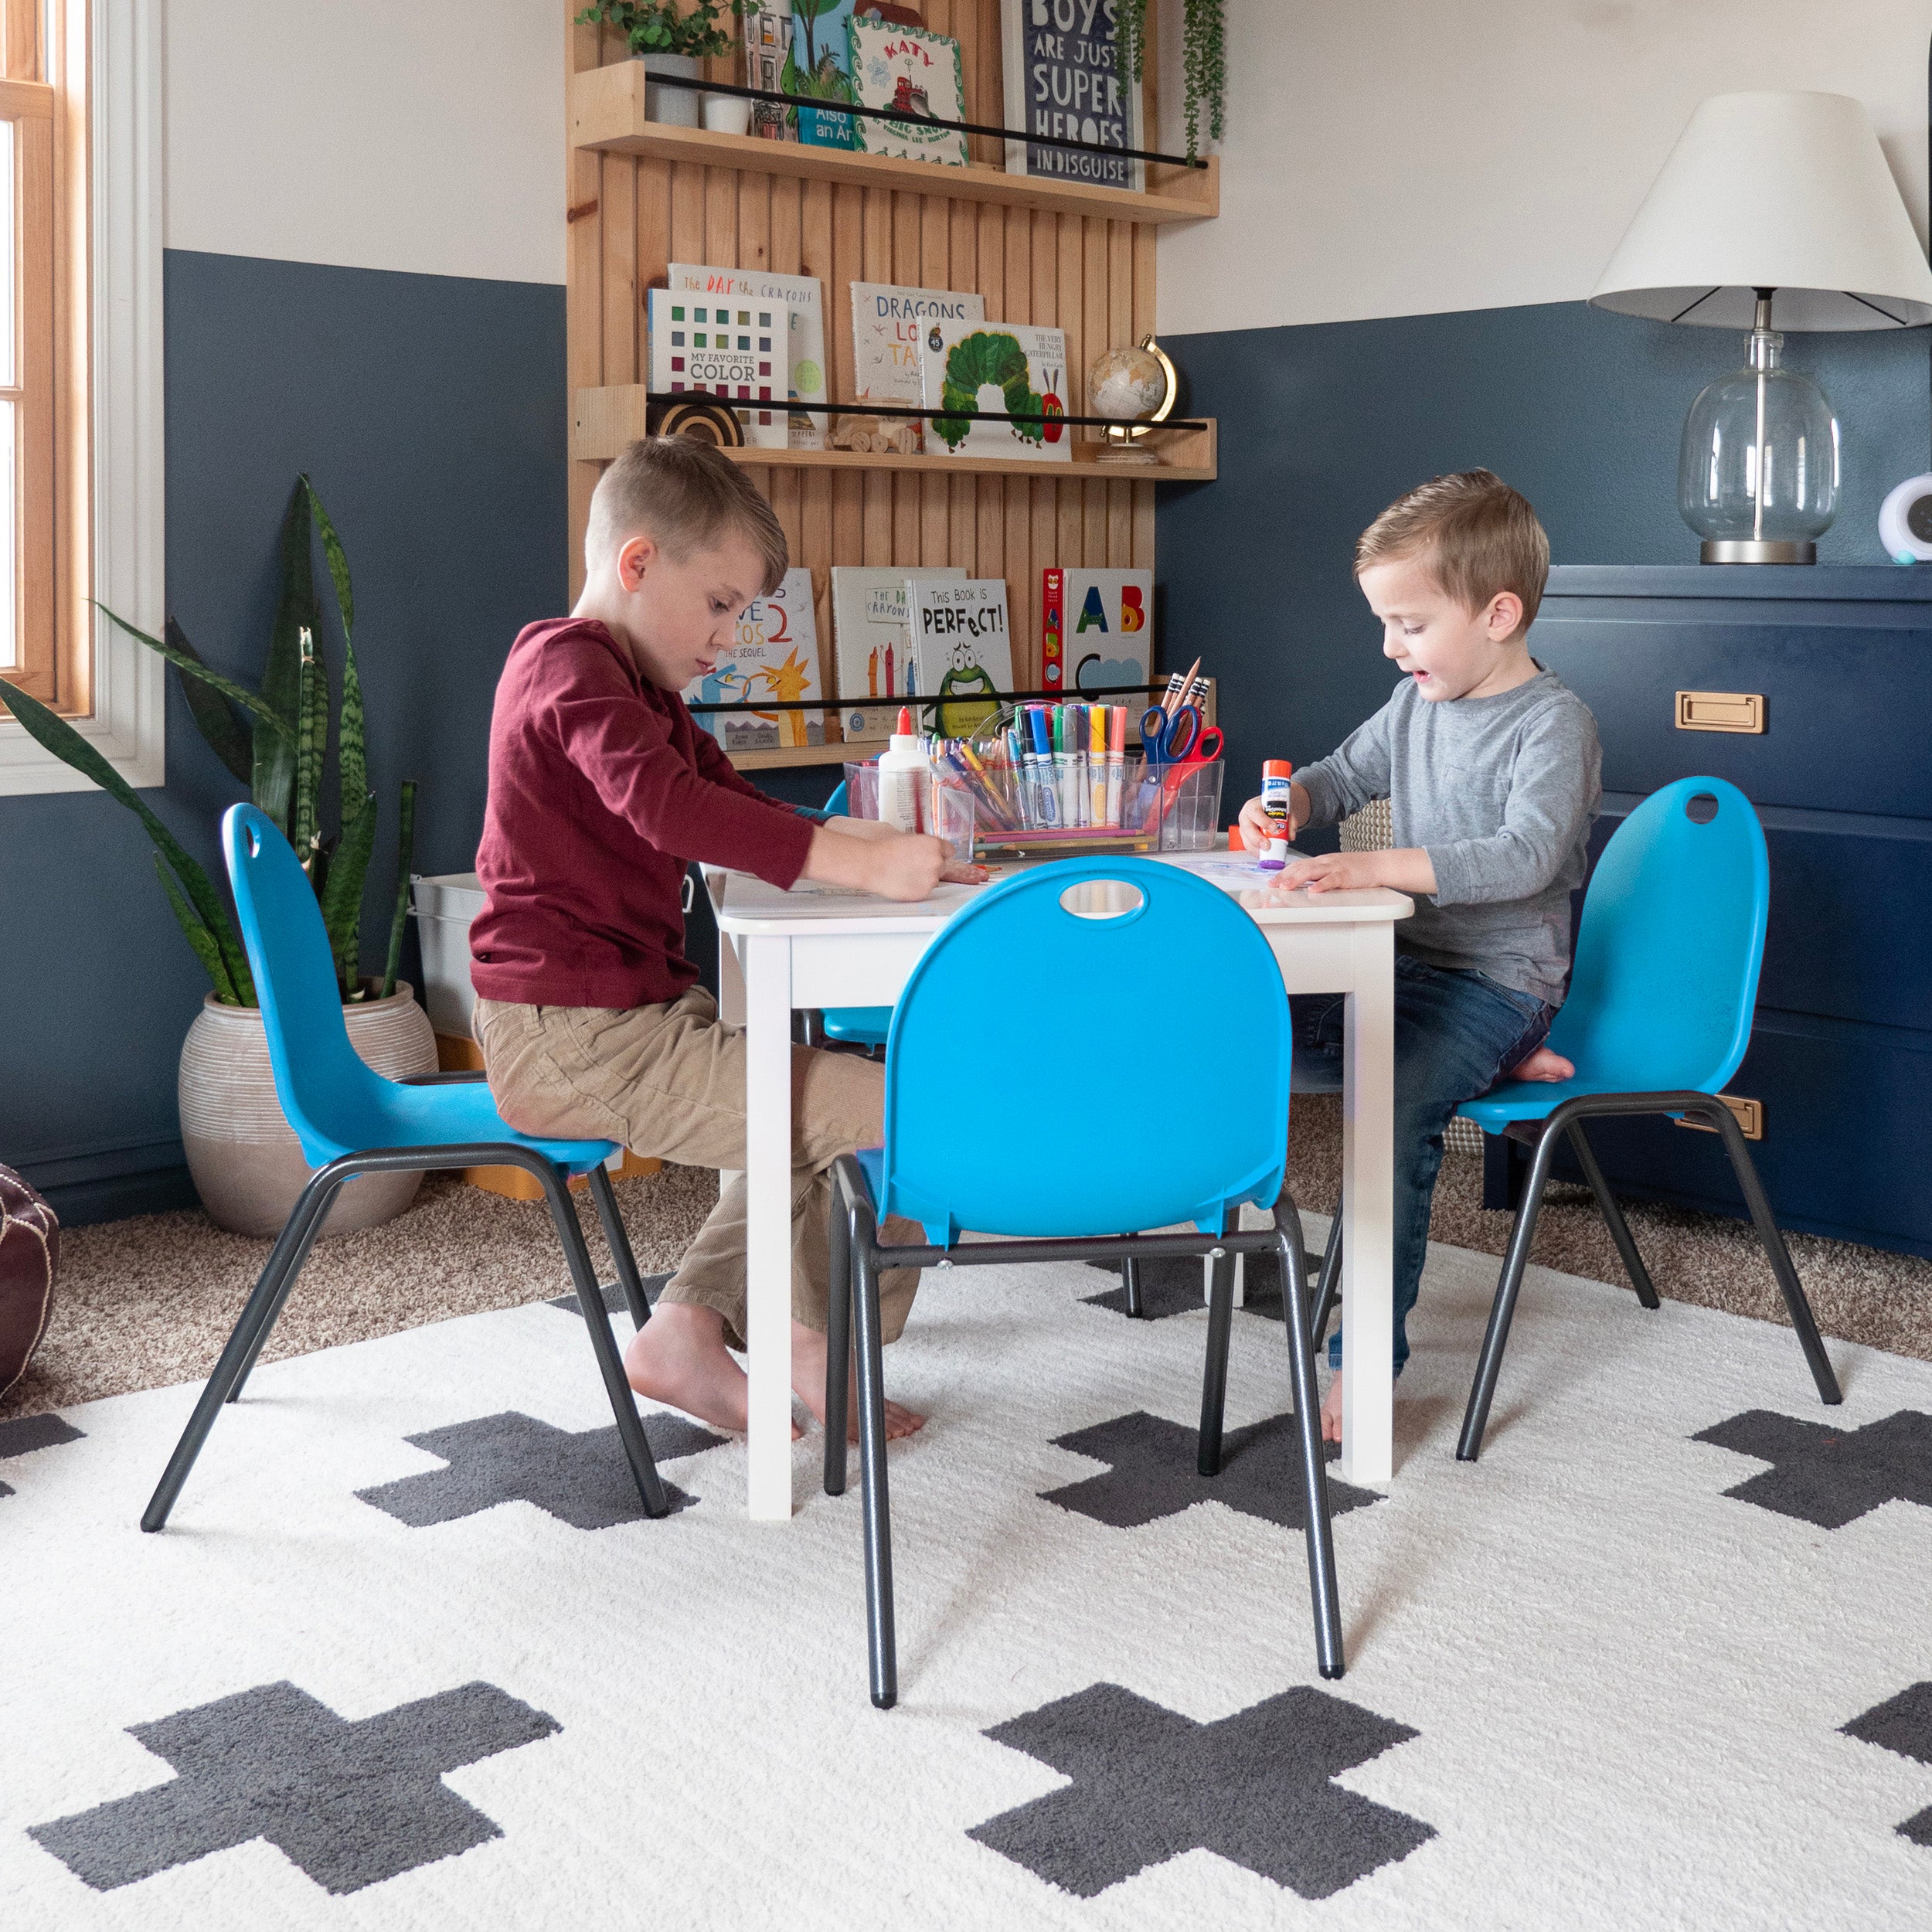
444, 906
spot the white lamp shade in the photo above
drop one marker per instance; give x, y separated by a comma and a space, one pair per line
1784, 191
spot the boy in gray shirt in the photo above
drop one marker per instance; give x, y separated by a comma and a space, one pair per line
1490, 765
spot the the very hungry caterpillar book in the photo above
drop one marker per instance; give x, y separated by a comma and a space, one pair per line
1009, 368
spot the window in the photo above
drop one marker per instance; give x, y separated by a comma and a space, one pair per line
81, 472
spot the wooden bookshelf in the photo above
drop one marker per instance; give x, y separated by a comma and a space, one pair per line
603, 420
606, 113
1061, 254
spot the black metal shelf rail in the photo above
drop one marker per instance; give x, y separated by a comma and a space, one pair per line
932, 704
951, 415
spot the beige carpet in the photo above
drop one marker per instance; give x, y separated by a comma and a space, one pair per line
147, 1302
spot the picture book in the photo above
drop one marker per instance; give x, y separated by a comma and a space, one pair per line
735, 350
805, 362
1097, 630
910, 69
872, 629
775, 655
818, 63
1062, 80
1011, 367
767, 38
962, 648
887, 321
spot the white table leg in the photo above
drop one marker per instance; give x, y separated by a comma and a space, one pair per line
731, 986
766, 964
1368, 1098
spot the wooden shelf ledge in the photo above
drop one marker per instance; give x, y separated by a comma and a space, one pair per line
606, 113
603, 420
776, 757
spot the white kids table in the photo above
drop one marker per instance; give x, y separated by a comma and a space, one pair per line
810, 947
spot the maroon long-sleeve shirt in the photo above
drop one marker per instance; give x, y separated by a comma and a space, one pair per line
602, 789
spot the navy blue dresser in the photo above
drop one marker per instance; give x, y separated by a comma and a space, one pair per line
1839, 661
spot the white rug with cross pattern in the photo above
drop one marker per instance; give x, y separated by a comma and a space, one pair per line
410, 1656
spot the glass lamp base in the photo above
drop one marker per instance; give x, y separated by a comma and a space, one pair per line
1744, 549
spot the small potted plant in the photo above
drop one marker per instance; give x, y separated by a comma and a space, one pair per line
277, 743
669, 42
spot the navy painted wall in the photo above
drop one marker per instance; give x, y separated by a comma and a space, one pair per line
1322, 426
430, 411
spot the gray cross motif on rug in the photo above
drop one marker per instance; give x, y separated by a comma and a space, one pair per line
580, 1477
352, 1803
1149, 1784
1175, 1286
1903, 1724
25, 1433
1154, 1473
1828, 1476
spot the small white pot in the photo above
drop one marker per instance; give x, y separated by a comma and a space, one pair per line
675, 106
247, 1164
727, 114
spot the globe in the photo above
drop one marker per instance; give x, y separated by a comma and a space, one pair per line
1127, 384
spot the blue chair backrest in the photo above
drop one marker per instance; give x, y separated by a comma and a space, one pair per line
1050, 1074
835, 806
320, 1080
1672, 936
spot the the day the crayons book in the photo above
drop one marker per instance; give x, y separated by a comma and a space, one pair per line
805, 358
1012, 368
775, 655
872, 623
962, 649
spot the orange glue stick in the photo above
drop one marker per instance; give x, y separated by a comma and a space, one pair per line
1277, 776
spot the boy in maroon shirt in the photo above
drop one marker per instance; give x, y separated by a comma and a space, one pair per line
602, 789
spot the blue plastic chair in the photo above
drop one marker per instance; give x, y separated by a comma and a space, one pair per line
351, 1121
865, 1026
1064, 1159
1657, 1021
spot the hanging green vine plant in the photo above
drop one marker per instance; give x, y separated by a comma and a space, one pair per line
1204, 67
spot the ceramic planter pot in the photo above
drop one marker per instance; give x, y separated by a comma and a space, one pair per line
675, 107
247, 1164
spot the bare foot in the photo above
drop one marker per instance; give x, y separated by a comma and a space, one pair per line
809, 1384
1543, 1065
1331, 1410
679, 1356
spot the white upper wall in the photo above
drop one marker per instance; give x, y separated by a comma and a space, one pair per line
1411, 157
370, 133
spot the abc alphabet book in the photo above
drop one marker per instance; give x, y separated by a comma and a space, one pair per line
1097, 630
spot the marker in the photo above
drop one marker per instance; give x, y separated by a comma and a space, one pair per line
1278, 779
1045, 792
1116, 760
1097, 764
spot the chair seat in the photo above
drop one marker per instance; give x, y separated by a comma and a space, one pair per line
858, 1026
1536, 1099
398, 1115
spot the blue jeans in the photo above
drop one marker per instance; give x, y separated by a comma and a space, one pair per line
1457, 1034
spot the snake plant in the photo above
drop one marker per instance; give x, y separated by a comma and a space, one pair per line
274, 741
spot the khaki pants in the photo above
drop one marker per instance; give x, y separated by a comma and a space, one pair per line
670, 1081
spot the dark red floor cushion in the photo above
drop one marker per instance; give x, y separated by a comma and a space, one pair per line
30, 1259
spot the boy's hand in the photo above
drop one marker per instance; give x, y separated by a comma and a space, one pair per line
900, 864
1254, 824
1408, 870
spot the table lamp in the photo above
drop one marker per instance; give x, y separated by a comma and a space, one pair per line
1768, 197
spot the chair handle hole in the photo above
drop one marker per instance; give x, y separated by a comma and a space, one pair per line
1700, 808
1102, 899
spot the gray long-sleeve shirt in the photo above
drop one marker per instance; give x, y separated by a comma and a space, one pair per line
1500, 792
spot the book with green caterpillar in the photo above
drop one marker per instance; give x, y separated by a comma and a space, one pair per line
1012, 368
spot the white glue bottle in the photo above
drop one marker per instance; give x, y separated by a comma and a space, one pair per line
1277, 779
905, 779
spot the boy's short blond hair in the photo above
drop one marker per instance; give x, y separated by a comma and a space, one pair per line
684, 494
1476, 534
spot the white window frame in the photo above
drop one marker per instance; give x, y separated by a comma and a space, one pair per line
130, 521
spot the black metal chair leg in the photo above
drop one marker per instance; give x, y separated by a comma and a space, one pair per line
310, 1236
1613, 1217
1489, 1366
882, 1642
244, 1344
1328, 1287
1322, 1588
604, 1344
837, 1337
1130, 1281
619, 1243
1214, 1376
1796, 1305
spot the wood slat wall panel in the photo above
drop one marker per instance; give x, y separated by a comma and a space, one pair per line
1092, 278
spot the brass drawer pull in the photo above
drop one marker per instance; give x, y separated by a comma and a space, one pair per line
1720, 711
1750, 1117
